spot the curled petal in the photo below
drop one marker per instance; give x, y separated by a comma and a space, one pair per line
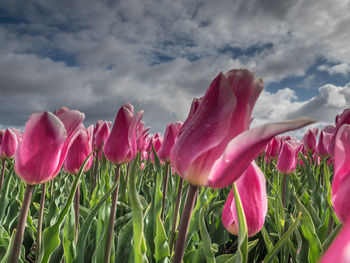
244, 148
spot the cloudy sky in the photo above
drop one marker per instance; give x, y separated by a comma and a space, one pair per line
158, 54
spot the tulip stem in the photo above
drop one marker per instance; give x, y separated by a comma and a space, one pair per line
95, 170
176, 212
284, 190
165, 188
112, 217
16, 249
40, 221
2, 173
184, 224
76, 210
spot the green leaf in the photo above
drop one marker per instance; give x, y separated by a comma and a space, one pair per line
69, 237
231, 258
283, 239
124, 245
208, 253
83, 234
242, 228
51, 239
309, 232
137, 216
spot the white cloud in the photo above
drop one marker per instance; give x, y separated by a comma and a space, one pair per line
343, 68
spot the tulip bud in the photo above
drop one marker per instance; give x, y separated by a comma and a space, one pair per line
170, 134
310, 141
101, 133
288, 156
40, 154
252, 190
80, 148
9, 144
121, 145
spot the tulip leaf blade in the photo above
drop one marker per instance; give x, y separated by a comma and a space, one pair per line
207, 251
242, 249
282, 240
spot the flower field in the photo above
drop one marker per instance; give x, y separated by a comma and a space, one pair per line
210, 189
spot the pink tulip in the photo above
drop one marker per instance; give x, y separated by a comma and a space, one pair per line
121, 145
142, 137
156, 140
80, 148
171, 132
324, 140
101, 133
288, 156
273, 148
40, 155
339, 250
340, 119
341, 179
214, 145
310, 141
254, 202
9, 143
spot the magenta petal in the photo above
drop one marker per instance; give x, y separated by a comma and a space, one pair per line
71, 119
340, 200
252, 190
205, 130
341, 157
38, 155
9, 144
170, 135
339, 250
244, 148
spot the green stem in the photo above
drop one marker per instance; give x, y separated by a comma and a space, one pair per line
2, 173
176, 212
184, 223
165, 188
284, 190
16, 249
95, 170
112, 217
76, 210
40, 221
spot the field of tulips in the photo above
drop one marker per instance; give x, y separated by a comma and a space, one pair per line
209, 190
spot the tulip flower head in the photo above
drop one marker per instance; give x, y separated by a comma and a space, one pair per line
214, 145
121, 145
9, 143
170, 134
80, 148
252, 190
288, 156
101, 133
44, 146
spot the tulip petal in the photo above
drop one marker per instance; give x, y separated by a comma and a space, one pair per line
205, 130
244, 148
252, 190
339, 251
38, 155
341, 157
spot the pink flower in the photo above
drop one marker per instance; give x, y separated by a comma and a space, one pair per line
273, 148
142, 137
324, 140
9, 143
41, 153
254, 202
339, 250
288, 156
171, 132
310, 141
80, 148
101, 133
121, 145
341, 179
156, 140
214, 145
340, 119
